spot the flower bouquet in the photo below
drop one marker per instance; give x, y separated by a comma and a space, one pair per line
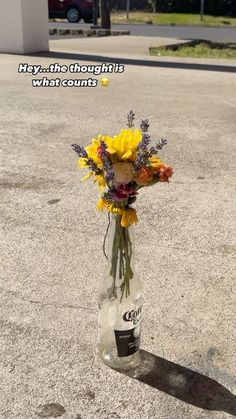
121, 166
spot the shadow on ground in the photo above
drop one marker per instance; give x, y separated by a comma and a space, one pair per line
182, 383
131, 61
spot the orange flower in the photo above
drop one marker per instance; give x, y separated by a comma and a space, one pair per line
143, 176
165, 172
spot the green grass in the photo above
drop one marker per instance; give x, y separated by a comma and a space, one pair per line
171, 19
197, 50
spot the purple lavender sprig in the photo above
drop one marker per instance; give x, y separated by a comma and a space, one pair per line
106, 163
159, 145
108, 195
130, 117
90, 162
92, 166
79, 150
143, 145
144, 125
142, 152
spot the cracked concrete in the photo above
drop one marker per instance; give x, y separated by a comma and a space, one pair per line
51, 248
16, 294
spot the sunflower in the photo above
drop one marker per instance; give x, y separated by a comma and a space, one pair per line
101, 181
123, 146
91, 150
92, 153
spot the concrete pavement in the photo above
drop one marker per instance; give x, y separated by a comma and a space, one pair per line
117, 46
131, 50
51, 248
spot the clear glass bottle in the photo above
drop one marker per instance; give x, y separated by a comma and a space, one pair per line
120, 301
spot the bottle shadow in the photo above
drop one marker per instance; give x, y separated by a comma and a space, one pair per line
184, 384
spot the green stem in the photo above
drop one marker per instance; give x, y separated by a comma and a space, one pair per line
122, 250
115, 249
128, 273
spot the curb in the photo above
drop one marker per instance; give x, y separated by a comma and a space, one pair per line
88, 33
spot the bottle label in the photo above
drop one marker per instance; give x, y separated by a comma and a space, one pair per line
127, 341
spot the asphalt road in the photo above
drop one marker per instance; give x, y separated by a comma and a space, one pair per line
223, 34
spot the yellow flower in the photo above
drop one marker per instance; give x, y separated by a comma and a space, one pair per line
129, 217
124, 145
117, 210
101, 204
82, 162
92, 152
87, 176
101, 181
155, 163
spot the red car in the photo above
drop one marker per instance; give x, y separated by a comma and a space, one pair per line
72, 10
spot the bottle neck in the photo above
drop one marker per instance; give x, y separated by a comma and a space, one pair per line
120, 239
120, 257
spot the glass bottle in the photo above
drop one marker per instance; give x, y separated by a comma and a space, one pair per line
120, 300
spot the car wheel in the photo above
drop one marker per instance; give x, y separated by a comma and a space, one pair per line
73, 15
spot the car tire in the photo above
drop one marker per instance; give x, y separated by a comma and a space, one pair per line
73, 14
